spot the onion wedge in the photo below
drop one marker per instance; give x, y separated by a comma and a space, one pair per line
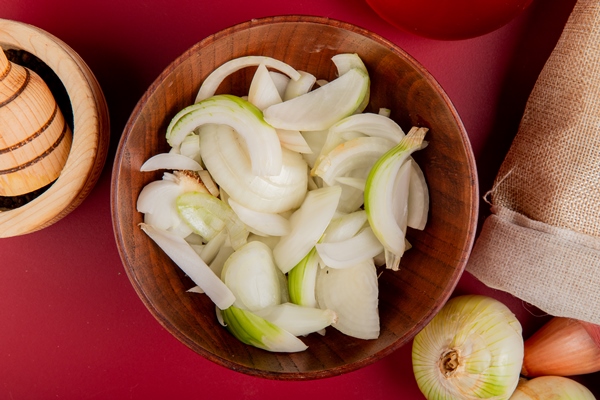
298, 320
353, 294
256, 331
349, 252
261, 139
266, 224
322, 107
170, 161
308, 224
211, 83
302, 280
381, 202
190, 262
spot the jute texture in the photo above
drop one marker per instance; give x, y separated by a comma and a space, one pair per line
542, 241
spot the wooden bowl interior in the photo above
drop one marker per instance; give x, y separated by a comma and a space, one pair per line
89, 123
429, 271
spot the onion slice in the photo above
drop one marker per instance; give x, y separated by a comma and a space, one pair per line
302, 280
322, 107
190, 262
308, 224
269, 224
298, 320
353, 294
349, 252
261, 139
211, 83
170, 161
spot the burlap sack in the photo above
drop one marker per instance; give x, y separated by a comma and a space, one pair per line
542, 241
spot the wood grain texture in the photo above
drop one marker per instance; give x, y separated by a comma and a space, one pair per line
429, 271
90, 130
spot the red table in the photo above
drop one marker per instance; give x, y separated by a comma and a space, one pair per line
71, 325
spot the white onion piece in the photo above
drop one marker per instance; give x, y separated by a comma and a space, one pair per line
190, 147
212, 81
386, 112
260, 138
219, 261
322, 107
300, 86
269, 224
302, 280
308, 224
251, 275
344, 62
157, 202
270, 241
281, 82
382, 202
293, 140
211, 248
263, 92
418, 198
359, 153
170, 161
356, 183
296, 319
353, 294
192, 265
345, 226
229, 165
314, 140
349, 252
208, 182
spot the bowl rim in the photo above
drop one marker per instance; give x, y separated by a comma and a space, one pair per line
91, 132
309, 19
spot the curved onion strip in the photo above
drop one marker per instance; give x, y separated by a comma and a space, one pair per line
229, 165
300, 86
308, 224
359, 153
344, 227
369, 124
380, 196
192, 265
263, 92
418, 198
345, 62
353, 294
296, 319
293, 140
267, 223
255, 331
251, 275
281, 81
349, 252
322, 107
170, 161
260, 138
190, 147
356, 183
302, 280
212, 81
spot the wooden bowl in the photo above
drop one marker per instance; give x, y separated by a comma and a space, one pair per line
429, 271
87, 113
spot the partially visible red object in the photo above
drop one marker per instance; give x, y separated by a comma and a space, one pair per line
449, 19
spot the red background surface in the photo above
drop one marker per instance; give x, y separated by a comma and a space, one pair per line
71, 325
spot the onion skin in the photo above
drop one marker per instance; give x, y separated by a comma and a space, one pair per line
550, 388
563, 347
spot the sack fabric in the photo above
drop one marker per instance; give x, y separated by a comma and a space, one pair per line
542, 241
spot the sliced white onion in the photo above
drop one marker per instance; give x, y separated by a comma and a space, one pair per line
382, 202
170, 161
267, 223
293, 140
263, 92
212, 81
349, 252
251, 275
345, 226
300, 86
192, 265
314, 140
260, 138
208, 182
296, 319
308, 224
229, 164
190, 147
322, 107
356, 183
302, 280
418, 198
359, 153
344, 62
353, 294
281, 82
